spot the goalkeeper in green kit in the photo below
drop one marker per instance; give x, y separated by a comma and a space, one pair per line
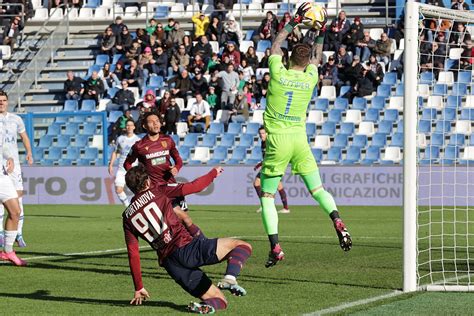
289, 93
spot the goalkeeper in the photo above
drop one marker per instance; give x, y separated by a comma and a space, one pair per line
289, 93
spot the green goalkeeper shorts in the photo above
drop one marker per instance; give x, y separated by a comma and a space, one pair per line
281, 149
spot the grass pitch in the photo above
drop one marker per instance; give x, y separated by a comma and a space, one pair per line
78, 265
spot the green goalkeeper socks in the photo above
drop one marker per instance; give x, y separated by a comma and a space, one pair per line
269, 215
323, 197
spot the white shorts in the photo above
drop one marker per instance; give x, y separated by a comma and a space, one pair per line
7, 190
17, 178
120, 177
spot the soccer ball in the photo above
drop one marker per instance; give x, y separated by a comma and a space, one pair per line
316, 16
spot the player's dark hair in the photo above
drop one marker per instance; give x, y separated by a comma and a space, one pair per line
130, 120
136, 178
261, 127
301, 54
3, 94
148, 114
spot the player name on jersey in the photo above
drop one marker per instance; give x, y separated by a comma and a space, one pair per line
138, 203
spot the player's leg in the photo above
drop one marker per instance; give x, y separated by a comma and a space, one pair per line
284, 199
120, 185
19, 237
2, 214
236, 252
258, 188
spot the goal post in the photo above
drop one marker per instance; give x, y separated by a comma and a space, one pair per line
438, 165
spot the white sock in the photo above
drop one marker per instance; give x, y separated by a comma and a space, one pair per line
20, 222
2, 213
230, 277
123, 197
10, 236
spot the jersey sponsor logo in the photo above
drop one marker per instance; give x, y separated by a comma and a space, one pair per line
294, 84
10, 139
144, 199
157, 154
158, 161
164, 144
288, 118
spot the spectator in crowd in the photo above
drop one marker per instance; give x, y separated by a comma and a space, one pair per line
149, 102
254, 89
147, 63
203, 48
73, 88
118, 128
264, 61
200, 112
466, 59
26, 11
160, 34
459, 5
123, 42
252, 58
215, 30
107, 77
353, 72
134, 51
355, 35
179, 61
164, 103
107, 43
336, 32
172, 117
11, 32
222, 7
246, 69
224, 63
232, 53
433, 61
267, 29
142, 38
201, 22
161, 62
460, 36
117, 26
169, 27
232, 31
93, 88
119, 72
153, 44
197, 65
229, 83
199, 83
215, 82
214, 63
134, 76
328, 74
382, 48
264, 85
176, 35
295, 36
362, 88
375, 72
181, 85
399, 32
240, 109
364, 46
213, 100
442, 41
343, 60
151, 28
188, 44
122, 100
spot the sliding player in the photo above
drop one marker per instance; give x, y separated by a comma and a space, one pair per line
256, 183
289, 93
150, 216
13, 125
124, 144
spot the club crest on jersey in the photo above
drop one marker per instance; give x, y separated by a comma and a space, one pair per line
164, 144
146, 148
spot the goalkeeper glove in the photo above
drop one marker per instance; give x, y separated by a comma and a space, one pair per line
299, 16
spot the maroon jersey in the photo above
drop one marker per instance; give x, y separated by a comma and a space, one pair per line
156, 156
150, 216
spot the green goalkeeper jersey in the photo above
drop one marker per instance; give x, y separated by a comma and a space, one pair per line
289, 93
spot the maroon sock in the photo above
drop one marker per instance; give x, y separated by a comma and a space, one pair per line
258, 189
216, 302
195, 231
283, 198
236, 259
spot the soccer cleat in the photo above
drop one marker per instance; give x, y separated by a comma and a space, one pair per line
274, 256
200, 308
232, 287
259, 210
2, 240
345, 240
11, 256
20, 241
284, 211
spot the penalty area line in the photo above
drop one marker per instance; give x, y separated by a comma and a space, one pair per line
344, 306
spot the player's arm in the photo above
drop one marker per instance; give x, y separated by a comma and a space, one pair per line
284, 32
195, 186
111, 163
26, 141
178, 162
131, 157
7, 155
318, 48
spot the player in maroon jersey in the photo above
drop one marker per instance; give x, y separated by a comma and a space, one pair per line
155, 151
150, 216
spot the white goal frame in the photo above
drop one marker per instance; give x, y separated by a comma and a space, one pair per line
410, 180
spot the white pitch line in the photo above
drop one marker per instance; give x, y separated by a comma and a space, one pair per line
365, 301
321, 237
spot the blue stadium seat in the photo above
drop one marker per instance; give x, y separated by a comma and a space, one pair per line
310, 129
378, 102
359, 141
197, 126
334, 154
400, 90
116, 58
91, 153
54, 153
318, 154
255, 156
384, 90
341, 141
449, 114
359, 103
344, 90
429, 114
63, 141
400, 126
111, 92
397, 139
184, 152
83, 162
234, 128
62, 119
372, 155
48, 162
391, 115
467, 114
431, 155
65, 162
437, 139
90, 128
216, 128
335, 116
72, 129
341, 103
352, 156
101, 60
156, 82
372, 115
208, 140
249, 34
72, 153
246, 141
91, 69
81, 141
227, 140
379, 140
459, 89
424, 126
427, 78
443, 126
38, 153
390, 78
263, 45
451, 154
457, 140
385, 127
453, 102
45, 141
71, 105
54, 129
328, 128
218, 156
79, 118
440, 89
190, 140
114, 116
347, 128
252, 128
322, 104
464, 77
88, 106
238, 155
175, 139
161, 12
92, 4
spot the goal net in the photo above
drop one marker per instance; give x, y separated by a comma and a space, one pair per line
439, 149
